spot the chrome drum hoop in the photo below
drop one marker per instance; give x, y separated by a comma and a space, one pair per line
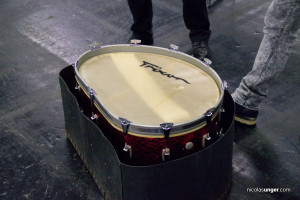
141, 129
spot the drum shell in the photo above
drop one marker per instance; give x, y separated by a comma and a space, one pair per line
147, 143
147, 150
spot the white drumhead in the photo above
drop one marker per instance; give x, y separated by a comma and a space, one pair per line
148, 88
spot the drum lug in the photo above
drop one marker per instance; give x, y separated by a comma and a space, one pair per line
74, 66
207, 61
125, 126
205, 139
174, 48
166, 127
222, 110
94, 117
77, 87
135, 42
220, 133
128, 150
208, 116
219, 123
165, 154
224, 85
92, 97
208, 137
94, 46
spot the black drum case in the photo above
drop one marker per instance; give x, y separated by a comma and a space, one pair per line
202, 175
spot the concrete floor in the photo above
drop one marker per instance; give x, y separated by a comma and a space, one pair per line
39, 38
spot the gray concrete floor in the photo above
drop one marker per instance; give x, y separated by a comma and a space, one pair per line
39, 38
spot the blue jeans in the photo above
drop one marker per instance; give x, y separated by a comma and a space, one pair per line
282, 21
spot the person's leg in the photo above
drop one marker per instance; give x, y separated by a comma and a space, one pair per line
196, 19
142, 20
281, 24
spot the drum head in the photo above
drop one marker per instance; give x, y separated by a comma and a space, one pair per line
149, 88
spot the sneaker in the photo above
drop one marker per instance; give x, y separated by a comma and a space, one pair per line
144, 41
199, 50
244, 115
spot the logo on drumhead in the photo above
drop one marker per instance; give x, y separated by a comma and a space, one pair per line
156, 68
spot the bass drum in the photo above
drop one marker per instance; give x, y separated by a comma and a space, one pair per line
153, 104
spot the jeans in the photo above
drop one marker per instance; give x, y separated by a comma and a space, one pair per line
282, 21
195, 17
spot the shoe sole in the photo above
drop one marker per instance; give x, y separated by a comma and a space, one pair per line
248, 121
